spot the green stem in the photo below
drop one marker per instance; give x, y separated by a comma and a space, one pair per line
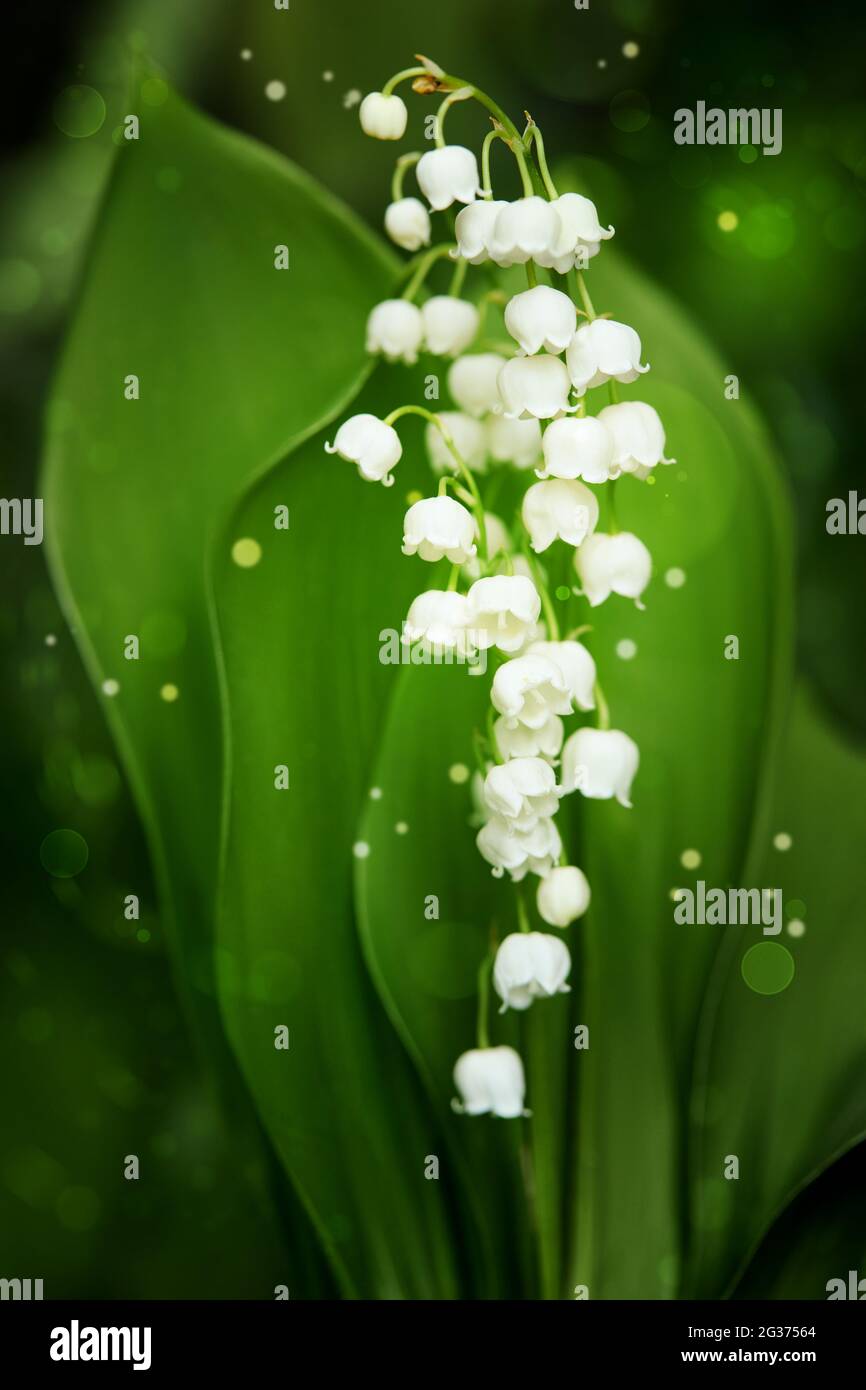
522, 914
458, 277
405, 162
546, 602
425, 265
483, 999
514, 141
461, 94
494, 134
491, 735
584, 295
402, 77
601, 706
612, 524
531, 277
465, 472
533, 135
453, 579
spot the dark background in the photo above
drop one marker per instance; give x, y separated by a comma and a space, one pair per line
98, 1062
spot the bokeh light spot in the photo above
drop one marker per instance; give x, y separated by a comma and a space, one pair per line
768, 968
169, 693
630, 111
246, 552
728, 221
64, 853
79, 111
458, 773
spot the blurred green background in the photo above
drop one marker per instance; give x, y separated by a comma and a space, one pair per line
766, 254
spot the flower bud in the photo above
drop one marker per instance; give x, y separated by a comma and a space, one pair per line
619, 564
437, 527
469, 438
577, 667
530, 965
473, 229
396, 329
563, 896
491, 1082
558, 509
523, 231
603, 351
438, 619
600, 763
534, 388
521, 791
450, 324
521, 742
448, 175
528, 690
407, 223
580, 231
513, 441
519, 852
541, 318
374, 446
578, 448
383, 117
504, 610
472, 382
638, 436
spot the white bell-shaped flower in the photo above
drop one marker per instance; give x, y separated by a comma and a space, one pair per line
374, 446
473, 229
523, 231
559, 509
437, 527
504, 609
577, 448
638, 436
619, 564
600, 763
541, 318
383, 117
563, 896
534, 388
530, 965
527, 690
580, 231
517, 442
603, 351
491, 1082
576, 665
407, 223
450, 324
521, 742
519, 852
469, 437
448, 175
522, 790
396, 329
472, 382
438, 619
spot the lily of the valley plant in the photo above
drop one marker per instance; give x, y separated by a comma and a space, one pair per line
521, 400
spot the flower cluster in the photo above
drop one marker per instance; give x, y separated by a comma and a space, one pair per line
520, 400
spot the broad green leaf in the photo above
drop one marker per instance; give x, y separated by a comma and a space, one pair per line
779, 1081
307, 690
182, 292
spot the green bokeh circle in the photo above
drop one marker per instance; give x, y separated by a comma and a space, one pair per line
768, 968
64, 853
79, 111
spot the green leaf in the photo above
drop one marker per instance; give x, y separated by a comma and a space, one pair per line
182, 292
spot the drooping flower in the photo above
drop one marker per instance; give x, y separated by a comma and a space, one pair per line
600, 763
523, 231
580, 232
576, 665
437, 527
519, 852
603, 351
383, 117
530, 965
519, 741
619, 564
528, 689
504, 609
559, 510
407, 223
534, 387
541, 318
448, 175
472, 382
374, 446
562, 896
450, 324
438, 618
469, 438
513, 441
577, 448
396, 329
521, 791
638, 436
473, 229
491, 1082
